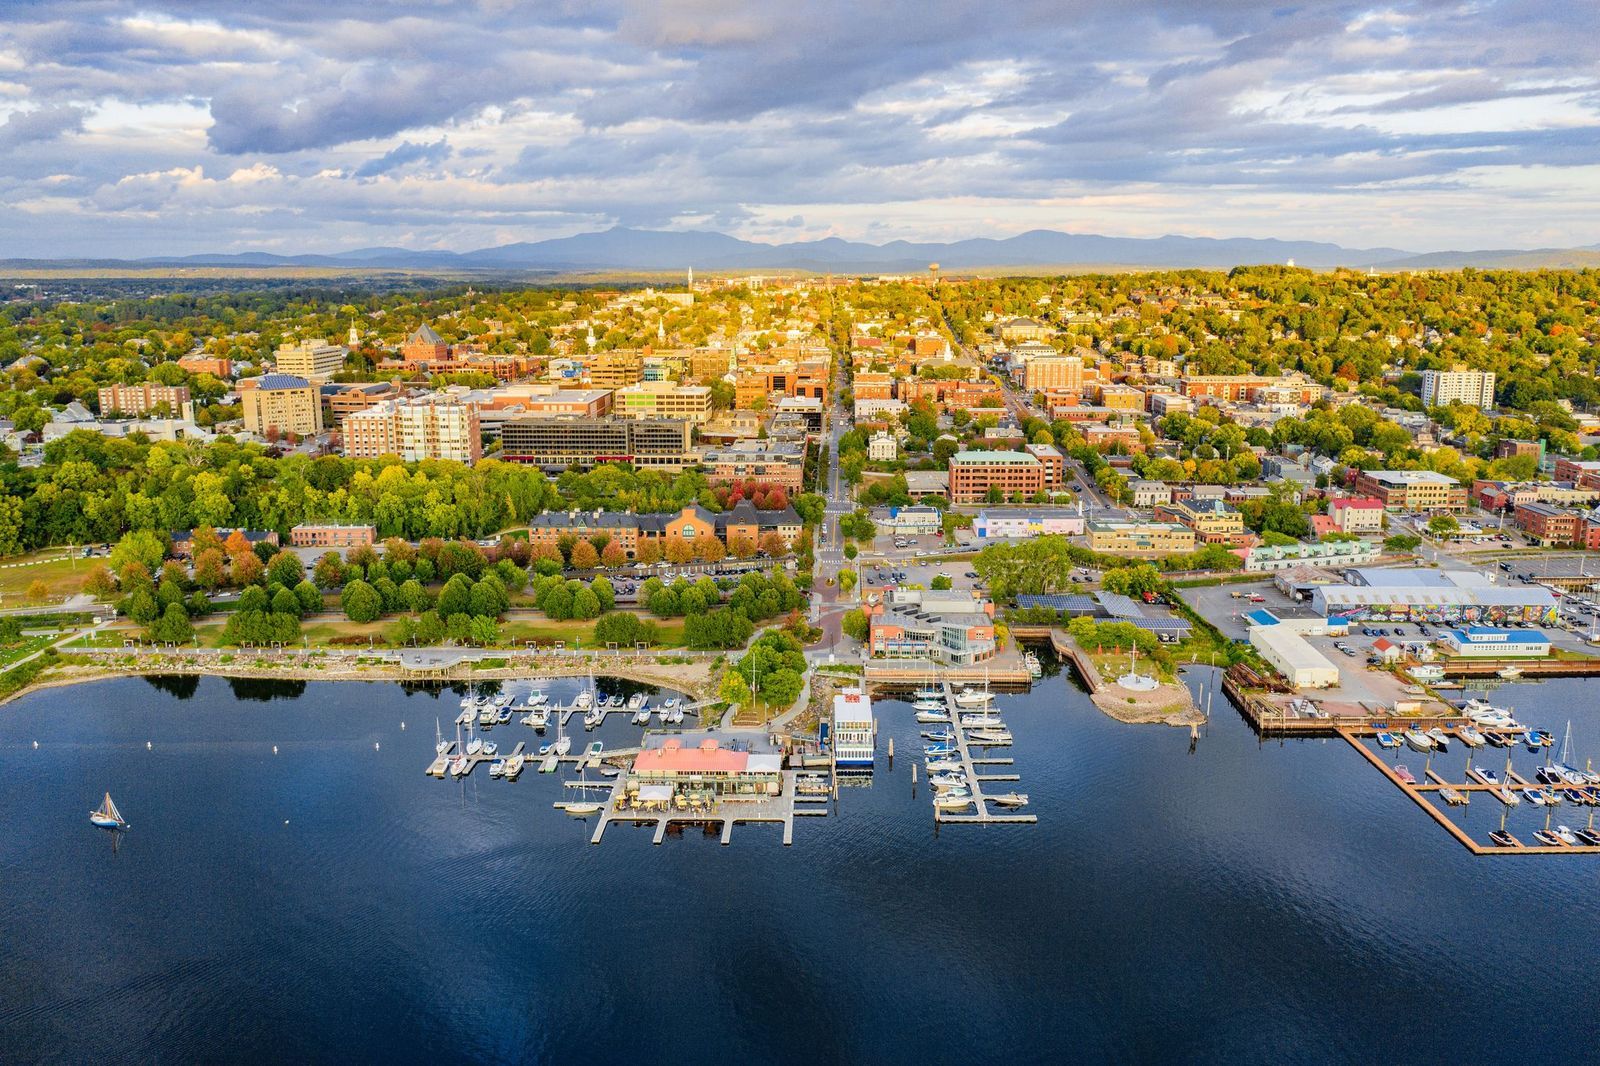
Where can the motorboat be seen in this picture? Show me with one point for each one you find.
(635, 701)
(974, 697)
(1031, 661)
(474, 745)
(675, 716)
(1549, 775)
(487, 716)
(1535, 796)
(539, 717)
(1548, 839)
(537, 698)
(948, 780)
(1552, 797)
(1575, 796)
(1417, 740)
(1388, 740)
(593, 750)
(943, 765)
(982, 720)
(1440, 738)
(502, 716)
(497, 768)
(469, 702)
(641, 717)
(931, 717)
(610, 771)
(1484, 774)
(1405, 775)
(501, 701)
(672, 701)
(1588, 836)
(544, 749)
(1509, 673)
(952, 801)
(106, 816)
(928, 705)
(929, 693)
(938, 734)
(1009, 799)
(936, 750)
(490, 748)
(1503, 839)
(514, 766)
(1470, 736)
(583, 700)
(616, 701)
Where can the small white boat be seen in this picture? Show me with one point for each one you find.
(930, 717)
(935, 766)
(514, 766)
(1440, 738)
(440, 745)
(1567, 836)
(501, 701)
(635, 701)
(989, 736)
(672, 701)
(952, 801)
(497, 768)
(1009, 799)
(544, 749)
(1417, 740)
(563, 746)
(982, 721)
(1031, 661)
(458, 766)
(490, 748)
(537, 699)
(584, 699)
(582, 808)
(593, 718)
(538, 718)
(928, 705)
(675, 716)
(1509, 673)
(474, 746)
(1469, 736)
(641, 717)
(973, 697)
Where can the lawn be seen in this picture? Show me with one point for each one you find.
(62, 575)
(24, 648)
(322, 633)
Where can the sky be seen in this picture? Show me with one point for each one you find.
(168, 127)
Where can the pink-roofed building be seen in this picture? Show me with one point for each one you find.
(706, 769)
(1322, 525)
(1355, 514)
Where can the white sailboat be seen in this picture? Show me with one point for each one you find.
(106, 816)
(440, 745)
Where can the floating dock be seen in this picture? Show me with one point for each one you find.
(1354, 735)
(976, 812)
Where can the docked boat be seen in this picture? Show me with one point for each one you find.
(563, 746)
(1417, 740)
(1484, 774)
(1509, 673)
(1503, 839)
(952, 801)
(1426, 672)
(928, 692)
(1535, 796)
(458, 766)
(538, 718)
(549, 764)
(1009, 799)
(106, 816)
(982, 720)
(989, 736)
(582, 808)
(1031, 661)
(931, 717)
(1549, 775)
(616, 701)
(487, 716)
(974, 697)
(583, 700)
(1405, 775)
(928, 705)
(514, 766)
(1470, 736)
(610, 771)
(674, 716)
(497, 768)
(635, 701)
(1575, 796)
(1588, 837)
(593, 718)
(1440, 738)
(1548, 839)
(502, 716)
(544, 749)
(490, 748)
(593, 750)
(938, 734)
(641, 717)
(672, 701)
(1388, 740)
(440, 745)
(501, 701)
(537, 698)
(936, 751)
(942, 765)
(474, 746)
(948, 781)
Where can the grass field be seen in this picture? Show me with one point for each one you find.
(24, 648)
(62, 575)
(670, 633)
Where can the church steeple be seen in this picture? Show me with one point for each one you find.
(355, 338)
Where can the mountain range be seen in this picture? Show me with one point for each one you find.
(623, 249)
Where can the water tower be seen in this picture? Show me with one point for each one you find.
(933, 273)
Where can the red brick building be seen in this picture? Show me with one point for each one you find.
(973, 474)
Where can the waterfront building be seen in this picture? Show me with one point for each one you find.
(855, 734)
(706, 771)
(280, 404)
(1487, 642)
(1441, 388)
(144, 398)
(949, 627)
(1283, 645)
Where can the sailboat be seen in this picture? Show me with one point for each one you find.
(563, 742)
(106, 816)
(440, 745)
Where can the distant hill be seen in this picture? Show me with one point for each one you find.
(623, 249)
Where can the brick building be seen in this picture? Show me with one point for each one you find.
(973, 474)
(143, 398)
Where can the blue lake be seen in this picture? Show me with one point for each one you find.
(1242, 901)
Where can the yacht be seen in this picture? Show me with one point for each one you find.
(1509, 673)
(497, 768)
(982, 720)
(1470, 736)
(563, 746)
(1417, 740)
(1547, 838)
(952, 801)
(973, 697)
(928, 705)
(539, 717)
(458, 766)
(1010, 799)
(635, 701)
(474, 746)
(440, 745)
(1440, 738)
(989, 736)
(593, 718)
(583, 700)
(1031, 661)
(932, 717)
(641, 717)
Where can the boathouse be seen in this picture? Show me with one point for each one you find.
(706, 771)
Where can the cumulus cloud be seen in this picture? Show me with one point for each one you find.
(457, 124)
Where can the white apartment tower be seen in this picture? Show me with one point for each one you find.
(1440, 388)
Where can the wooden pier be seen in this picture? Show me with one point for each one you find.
(780, 810)
(1418, 793)
(983, 815)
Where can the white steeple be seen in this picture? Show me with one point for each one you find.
(691, 279)
(355, 338)
(661, 330)
(589, 340)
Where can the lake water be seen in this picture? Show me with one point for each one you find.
(1244, 901)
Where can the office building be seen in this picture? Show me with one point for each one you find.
(314, 359)
(973, 474)
(280, 405)
(558, 443)
(428, 427)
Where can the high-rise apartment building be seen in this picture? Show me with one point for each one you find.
(314, 359)
(143, 398)
(1440, 388)
(420, 428)
(280, 404)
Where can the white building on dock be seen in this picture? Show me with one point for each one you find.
(855, 734)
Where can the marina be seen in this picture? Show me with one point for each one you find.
(970, 805)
